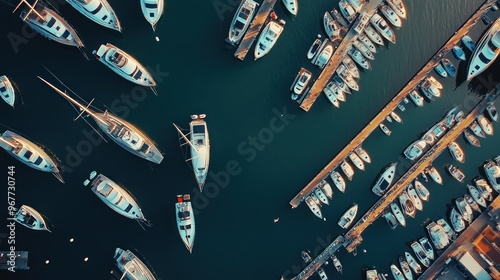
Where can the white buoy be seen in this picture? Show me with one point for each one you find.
(47, 262)
(71, 239)
(157, 39)
(86, 259)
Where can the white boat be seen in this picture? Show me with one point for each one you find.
(439, 239)
(484, 188)
(331, 96)
(456, 220)
(332, 27)
(471, 139)
(485, 124)
(30, 218)
(452, 235)
(434, 174)
(398, 214)
(359, 58)
(434, 82)
(390, 14)
(420, 253)
(241, 20)
(267, 38)
(363, 50)
(486, 52)
(371, 274)
(348, 217)
(99, 11)
(458, 53)
(338, 180)
(322, 274)
(363, 154)
(7, 91)
(401, 107)
(441, 71)
(347, 169)
(131, 266)
(115, 197)
(28, 153)
(347, 11)
(390, 219)
(396, 273)
(448, 65)
(476, 195)
(292, 6)
(412, 193)
(416, 98)
(199, 142)
(424, 176)
(492, 112)
(385, 179)
(327, 189)
(492, 171)
(339, 18)
(123, 133)
(468, 43)
(456, 152)
(396, 117)
(152, 11)
(356, 161)
(315, 199)
(305, 256)
(337, 264)
(314, 207)
(422, 192)
(398, 6)
(346, 77)
(324, 55)
(184, 216)
(385, 129)
(414, 265)
(301, 81)
(314, 48)
(425, 88)
(334, 89)
(456, 173)
(405, 268)
(476, 129)
(374, 35)
(407, 206)
(381, 26)
(321, 195)
(351, 66)
(472, 203)
(415, 149)
(363, 38)
(341, 85)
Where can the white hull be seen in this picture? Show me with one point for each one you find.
(313, 207)
(184, 216)
(396, 273)
(471, 139)
(412, 193)
(493, 174)
(30, 218)
(483, 188)
(485, 124)
(381, 26)
(152, 11)
(327, 189)
(405, 268)
(390, 15)
(422, 192)
(456, 173)
(452, 235)
(338, 180)
(374, 35)
(268, 38)
(398, 6)
(200, 150)
(351, 66)
(398, 214)
(241, 20)
(359, 58)
(356, 161)
(292, 6)
(414, 265)
(348, 217)
(363, 38)
(486, 52)
(331, 97)
(363, 50)
(385, 179)
(131, 266)
(347, 169)
(492, 112)
(7, 91)
(99, 11)
(420, 253)
(456, 152)
(439, 238)
(321, 195)
(363, 154)
(406, 204)
(476, 129)
(416, 98)
(457, 222)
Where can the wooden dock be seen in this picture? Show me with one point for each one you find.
(254, 29)
(391, 106)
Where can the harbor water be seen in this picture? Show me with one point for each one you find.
(264, 148)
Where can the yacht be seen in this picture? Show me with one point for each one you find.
(452, 235)
(29, 153)
(458, 53)
(268, 38)
(314, 207)
(476, 129)
(385, 129)
(326, 188)
(390, 219)
(314, 48)
(441, 71)
(398, 6)
(347, 11)
(332, 27)
(338, 180)
(339, 18)
(305, 256)
(456, 173)
(301, 81)
(324, 56)
(416, 98)
(351, 66)
(414, 265)
(363, 50)
(472, 203)
(356, 161)
(322, 274)
(415, 150)
(439, 239)
(371, 274)
(476, 195)
(456, 152)
(348, 217)
(492, 112)
(405, 267)
(373, 35)
(321, 195)
(331, 96)
(422, 192)
(457, 222)
(396, 117)
(381, 26)
(471, 139)
(292, 6)
(385, 179)
(152, 11)
(398, 214)
(486, 51)
(346, 77)
(7, 91)
(468, 43)
(434, 174)
(123, 133)
(450, 68)
(396, 273)
(241, 20)
(347, 169)
(99, 11)
(492, 171)
(125, 65)
(407, 205)
(30, 218)
(115, 197)
(185, 220)
(412, 193)
(363, 38)
(485, 124)
(333, 89)
(341, 85)
(363, 154)
(132, 266)
(359, 58)
(484, 188)
(390, 15)
(425, 88)
(420, 253)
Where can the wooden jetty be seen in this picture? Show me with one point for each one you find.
(254, 29)
(391, 106)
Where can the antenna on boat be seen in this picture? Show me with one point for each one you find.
(32, 8)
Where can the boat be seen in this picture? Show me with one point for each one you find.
(396, 273)
(359, 58)
(390, 15)
(322, 274)
(385, 129)
(486, 19)
(321, 195)
(497, 160)
(268, 37)
(346, 77)
(152, 11)
(7, 91)
(439, 239)
(363, 154)
(416, 98)
(401, 107)
(115, 197)
(332, 27)
(347, 11)
(407, 206)
(348, 217)
(406, 100)
(327, 189)
(337, 264)
(363, 38)
(381, 26)
(332, 88)
(420, 253)
(351, 66)
(385, 179)
(436, 84)
(484, 188)
(331, 96)
(452, 235)
(476, 129)
(29, 153)
(305, 256)
(132, 266)
(476, 196)
(486, 52)
(390, 219)
(99, 11)
(241, 20)
(324, 56)
(424, 176)
(388, 118)
(422, 192)
(373, 35)
(412, 193)
(414, 265)
(485, 124)
(415, 149)
(456, 152)
(492, 112)
(450, 68)
(492, 171)
(441, 71)
(398, 6)
(468, 43)
(339, 18)
(356, 161)
(315, 199)
(363, 50)
(456, 173)
(471, 139)
(338, 180)
(314, 207)
(292, 6)
(405, 267)
(301, 81)
(30, 218)
(427, 89)
(434, 174)
(347, 169)
(123, 133)
(472, 203)
(341, 85)
(396, 117)
(398, 214)
(457, 222)
(185, 220)
(314, 48)
(371, 274)
(458, 53)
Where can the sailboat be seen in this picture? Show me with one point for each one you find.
(199, 142)
(98, 11)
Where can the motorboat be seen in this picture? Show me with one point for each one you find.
(398, 6)
(306, 257)
(331, 96)
(405, 268)
(99, 11)
(381, 26)
(425, 88)
(292, 6)
(241, 20)
(7, 91)
(486, 52)
(338, 180)
(351, 66)
(326, 188)
(321, 195)
(115, 197)
(363, 38)
(341, 85)
(315, 198)
(132, 266)
(371, 274)
(491, 110)
(385, 129)
(347, 169)
(30, 218)
(359, 58)
(452, 235)
(424, 176)
(456, 173)
(385, 179)
(476, 195)
(398, 214)
(347, 11)
(390, 219)
(348, 217)
(406, 100)
(322, 274)
(439, 239)
(332, 27)
(185, 220)
(268, 37)
(314, 48)
(441, 71)
(395, 117)
(492, 171)
(472, 203)
(416, 98)
(401, 107)
(415, 149)
(339, 18)
(390, 15)
(422, 192)
(324, 55)
(396, 273)
(152, 11)
(458, 53)
(434, 133)
(373, 35)
(434, 174)
(434, 82)
(420, 253)
(476, 129)
(363, 154)
(456, 152)
(450, 68)
(333, 88)
(388, 118)
(497, 160)
(346, 77)
(363, 50)
(301, 81)
(314, 207)
(407, 205)
(485, 124)
(414, 265)
(412, 193)
(123, 133)
(356, 161)
(484, 188)
(471, 139)
(29, 153)
(468, 43)
(456, 220)
(337, 264)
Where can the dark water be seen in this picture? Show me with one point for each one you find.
(251, 180)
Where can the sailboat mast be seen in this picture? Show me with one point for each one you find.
(185, 138)
(32, 8)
